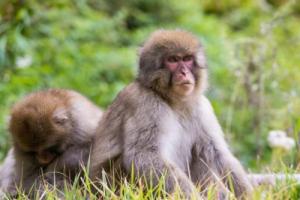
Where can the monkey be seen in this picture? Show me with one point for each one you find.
(162, 123)
(51, 131)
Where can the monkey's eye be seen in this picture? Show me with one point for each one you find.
(173, 59)
(188, 58)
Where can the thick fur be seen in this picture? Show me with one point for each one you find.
(57, 118)
(156, 133)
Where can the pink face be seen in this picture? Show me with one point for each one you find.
(181, 67)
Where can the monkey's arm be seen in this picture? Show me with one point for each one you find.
(7, 172)
(69, 164)
(33, 179)
(107, 142)
(216, 156)
(25, 174)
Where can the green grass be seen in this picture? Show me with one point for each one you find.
(137, 189)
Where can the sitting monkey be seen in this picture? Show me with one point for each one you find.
(162, 124)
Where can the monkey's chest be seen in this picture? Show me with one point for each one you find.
(175, 146)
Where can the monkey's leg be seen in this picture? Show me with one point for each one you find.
(228, 168)
(205, 178)
(151, 166)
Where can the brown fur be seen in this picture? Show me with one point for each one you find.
(33, 124)
(61, 122)
(149, 128)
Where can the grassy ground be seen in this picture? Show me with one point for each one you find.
(83, 188)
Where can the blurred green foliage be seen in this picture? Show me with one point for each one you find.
(253, 50)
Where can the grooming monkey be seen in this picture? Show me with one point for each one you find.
(163, 124)
(52, 131)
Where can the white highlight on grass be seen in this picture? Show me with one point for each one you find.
(279, 139)
(23, 62)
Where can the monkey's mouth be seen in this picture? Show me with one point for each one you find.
(185, 83)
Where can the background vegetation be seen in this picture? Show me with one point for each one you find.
(253, 50)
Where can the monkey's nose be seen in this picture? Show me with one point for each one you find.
(183, 70)
(183, 73)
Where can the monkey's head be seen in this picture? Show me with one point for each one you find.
(40, 126)
(172, 63)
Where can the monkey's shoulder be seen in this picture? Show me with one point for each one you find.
(205, 105)
(136, 95)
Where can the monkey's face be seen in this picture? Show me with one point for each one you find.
(43, 152)
(172, 63)
(182, 79)
(42, 148)
(41, 135)
(47, 154)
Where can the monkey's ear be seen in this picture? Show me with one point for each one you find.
(60, 116)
